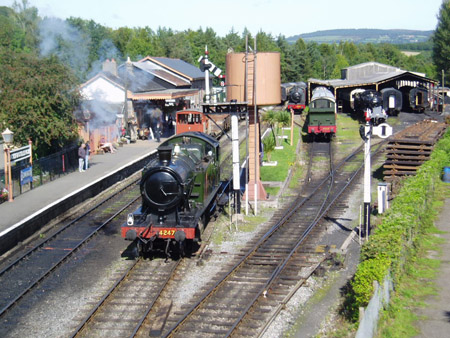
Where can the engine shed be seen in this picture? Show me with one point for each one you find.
(377, 76)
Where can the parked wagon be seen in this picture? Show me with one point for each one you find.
(418, 99)
(392, 100)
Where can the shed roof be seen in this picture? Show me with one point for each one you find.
(368, 80)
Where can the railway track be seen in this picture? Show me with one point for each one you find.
(123, 309)
(28, 270)
(267, 272)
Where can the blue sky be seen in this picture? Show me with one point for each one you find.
(295, 17)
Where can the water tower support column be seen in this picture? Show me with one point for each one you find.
(253, 164)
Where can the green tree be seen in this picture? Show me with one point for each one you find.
(298, 63)
(28, 19)
(121, 37)
(37, 100)
(141, 44)
(350, 51)
(441, 40)
(284, 49)
(11, 36)
(233, 42)
(15, 33)
(341, 62)
(99, 39)
(266, 42)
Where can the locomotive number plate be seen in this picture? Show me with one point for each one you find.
(167, 232)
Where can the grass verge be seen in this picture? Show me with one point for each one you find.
(415, 285)
(285, 157)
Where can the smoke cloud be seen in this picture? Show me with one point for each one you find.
(59, 38)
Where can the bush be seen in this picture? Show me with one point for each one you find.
(393, 241)
(269, 145)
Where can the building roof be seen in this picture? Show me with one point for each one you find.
(366, 74)
(177, 66)
(140, 80)
(114, 80)
(367, 70)
(170, 77)
(163, 94)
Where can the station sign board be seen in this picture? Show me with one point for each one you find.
(20, 154)
(26, 175)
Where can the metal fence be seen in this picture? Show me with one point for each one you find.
(44, 170)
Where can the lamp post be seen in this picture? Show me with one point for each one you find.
(8, 137)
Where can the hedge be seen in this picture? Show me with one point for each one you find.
(390, 245)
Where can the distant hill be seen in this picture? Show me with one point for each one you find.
(395, 36)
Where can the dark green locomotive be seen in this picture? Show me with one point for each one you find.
(179, 190)
(322, 112)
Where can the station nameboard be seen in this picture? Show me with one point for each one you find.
(21, 154)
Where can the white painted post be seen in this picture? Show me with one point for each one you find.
(367, 179)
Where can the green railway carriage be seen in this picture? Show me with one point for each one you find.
(322, 112)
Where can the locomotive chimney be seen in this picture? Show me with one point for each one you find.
(165, 154)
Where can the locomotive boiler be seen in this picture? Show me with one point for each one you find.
(179, 190)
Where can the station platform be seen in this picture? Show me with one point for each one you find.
(66, 189)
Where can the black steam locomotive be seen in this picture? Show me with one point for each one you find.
(294, 94)
(370, 102)
(179, 192)
(368, 98)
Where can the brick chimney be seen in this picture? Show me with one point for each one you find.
(110, 66)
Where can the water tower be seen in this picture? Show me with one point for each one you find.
(255, 78)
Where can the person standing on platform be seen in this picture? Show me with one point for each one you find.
(170, 122)
(88, 154)
(81, 157)
(157, 127)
